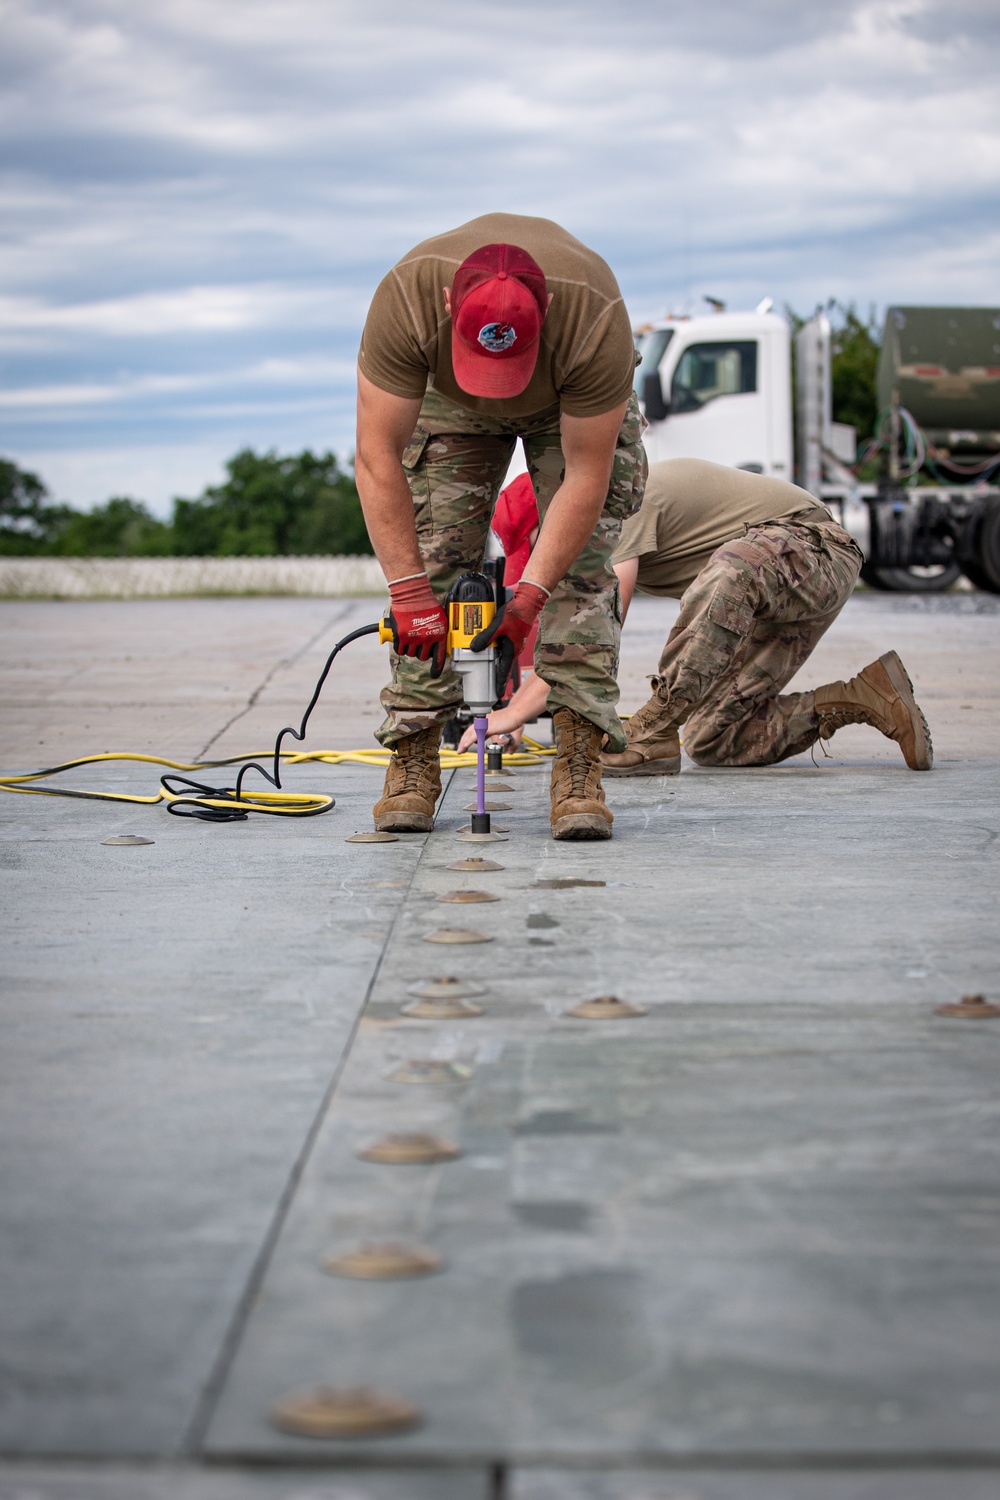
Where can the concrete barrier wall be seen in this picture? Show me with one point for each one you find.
(158, 577)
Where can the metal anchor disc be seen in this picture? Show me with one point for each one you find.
(345, 1413)
(480, 838)
(128, 840)
(455, 935)
(410, 1149)
(384, 1262)
(372, 838)
(490, 807)
(441, 1010)
(970, 1007)
(445, 987)
(474, 866)
(467, 898)
(429, 1070)
(605, 1008)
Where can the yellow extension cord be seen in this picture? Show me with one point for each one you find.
(282, 804)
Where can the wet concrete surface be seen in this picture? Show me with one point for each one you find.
(755, 1228)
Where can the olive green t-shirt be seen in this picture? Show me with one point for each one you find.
(691, 507)
(586, 354)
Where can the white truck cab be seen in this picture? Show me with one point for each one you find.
(719, 387)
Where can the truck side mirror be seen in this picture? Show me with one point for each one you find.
(657, 410)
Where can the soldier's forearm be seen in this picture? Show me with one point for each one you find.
(385, 426)
(588, 445)
(628, 573)
(569, 523)
(388, 510)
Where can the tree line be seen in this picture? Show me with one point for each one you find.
(268, 505)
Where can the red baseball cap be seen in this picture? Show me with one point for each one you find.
(498, 305)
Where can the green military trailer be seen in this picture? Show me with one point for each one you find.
(934, 512)
(939, 427)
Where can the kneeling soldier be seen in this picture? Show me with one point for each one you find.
(761, 570)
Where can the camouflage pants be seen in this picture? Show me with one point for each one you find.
(456, 463)
(747, 624)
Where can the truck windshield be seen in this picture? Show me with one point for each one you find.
(651, 346)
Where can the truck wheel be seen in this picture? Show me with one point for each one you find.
(912, 580)
(979, 578)
(989, 546)
(979, 549)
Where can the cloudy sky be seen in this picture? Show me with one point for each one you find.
(197, 198)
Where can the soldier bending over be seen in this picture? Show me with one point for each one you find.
(505, 328)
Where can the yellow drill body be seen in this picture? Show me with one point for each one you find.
(477, 669)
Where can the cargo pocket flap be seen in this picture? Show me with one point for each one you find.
(414, 450)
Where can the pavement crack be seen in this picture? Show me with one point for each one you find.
(284, 661)
(201, 1419)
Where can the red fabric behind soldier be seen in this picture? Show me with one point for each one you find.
(514, 519)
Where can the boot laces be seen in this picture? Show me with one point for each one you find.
(414, 765)
(835, 718)
(580, 760)
(652, 715)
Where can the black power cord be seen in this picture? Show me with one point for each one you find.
(185, 794)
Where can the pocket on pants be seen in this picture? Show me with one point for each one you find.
(414, 450)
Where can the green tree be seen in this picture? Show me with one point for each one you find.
(27, 521)
(120, 528)
(854, 360)
(273, 506)
(854, 351)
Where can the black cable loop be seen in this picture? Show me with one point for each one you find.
(193, 809)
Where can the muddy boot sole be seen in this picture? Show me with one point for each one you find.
(669, 766)
(581, 826)
(404, 822)
(923, 750)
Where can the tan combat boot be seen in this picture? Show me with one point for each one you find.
(654, 746)
(881, 695)
(578, 810)
(412, 785)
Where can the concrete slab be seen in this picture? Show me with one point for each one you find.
(174, 1015)
(797, 1484)
(759, 1220)
(171, 675)
(187, 1482)
(758, 1224)
(178, 676)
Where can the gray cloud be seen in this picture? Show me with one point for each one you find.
(198, 200)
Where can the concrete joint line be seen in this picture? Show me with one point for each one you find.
(284, 661)
(198, 1426)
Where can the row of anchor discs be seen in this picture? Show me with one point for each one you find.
(365, 1412)
(463, 935)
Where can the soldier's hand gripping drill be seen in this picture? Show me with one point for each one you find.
(418, 622)
(510, 628)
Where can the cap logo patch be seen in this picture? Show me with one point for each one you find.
(497, 338)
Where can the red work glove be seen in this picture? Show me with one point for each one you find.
(510, 627)
(419, 624)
